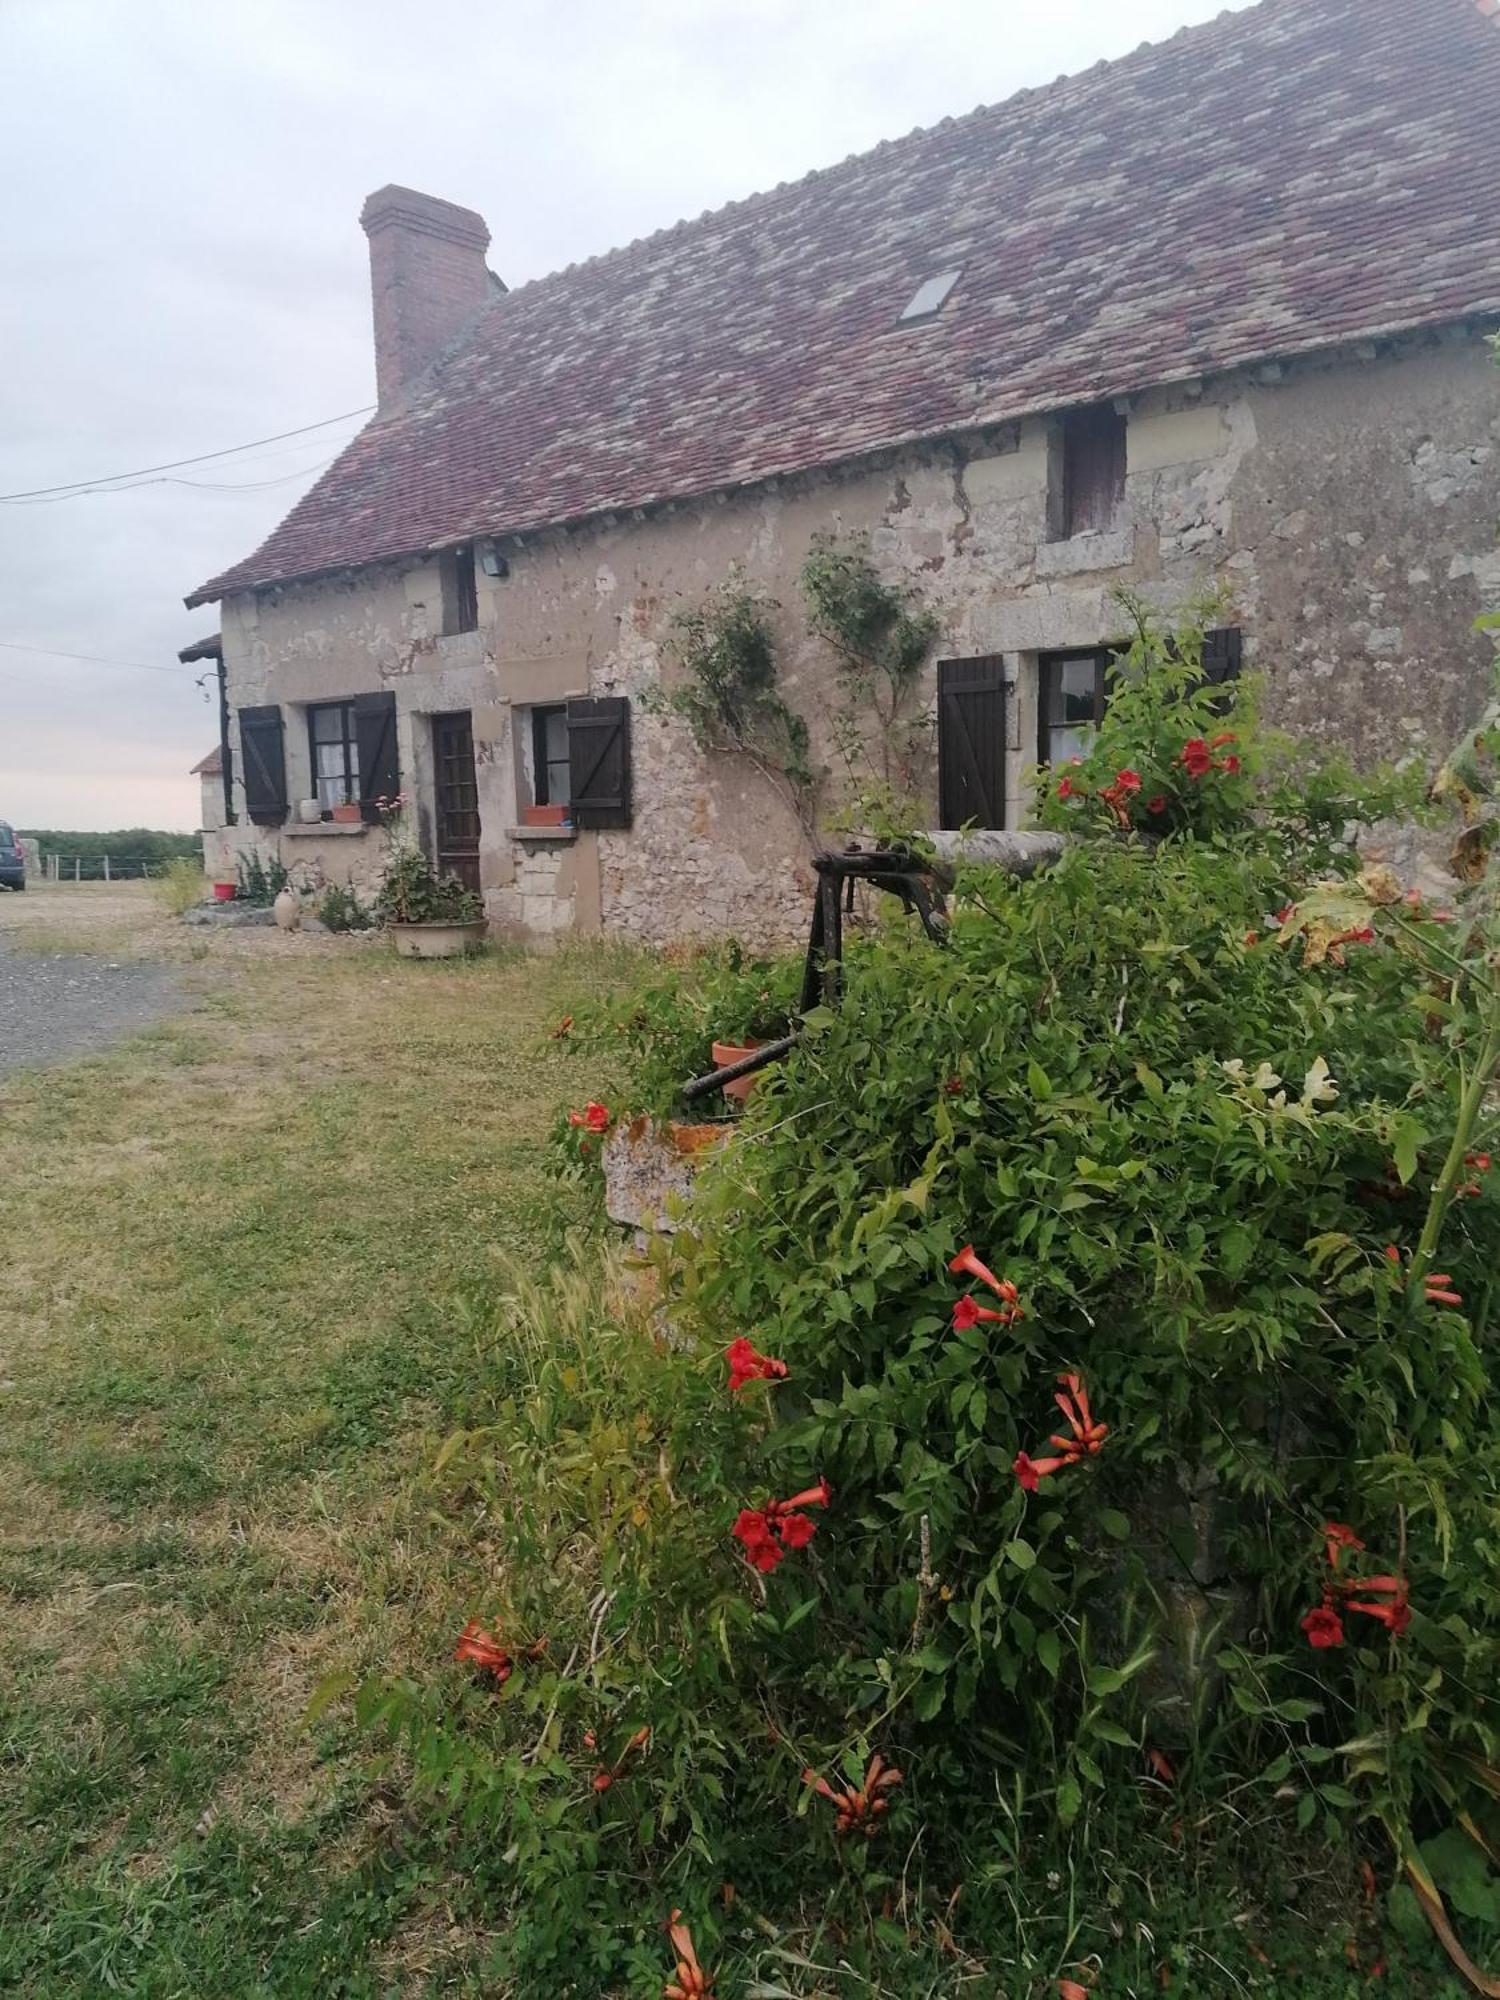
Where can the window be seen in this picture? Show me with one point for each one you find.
(1089, 469)
(1072, 691)
(549, 756)
(460, 592)
(334, 747)
(929, 298)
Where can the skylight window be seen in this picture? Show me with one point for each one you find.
(930, 297)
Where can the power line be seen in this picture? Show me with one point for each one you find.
(175, 464)
(169, 479)
(91, 659)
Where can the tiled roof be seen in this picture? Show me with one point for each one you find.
(212, 765)
(1284, 178)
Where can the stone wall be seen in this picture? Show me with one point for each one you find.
(1348, 507)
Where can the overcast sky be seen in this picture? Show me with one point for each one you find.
(180, 182)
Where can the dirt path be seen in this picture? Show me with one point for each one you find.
(58, 1007)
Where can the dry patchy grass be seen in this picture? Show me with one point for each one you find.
(228, 1259)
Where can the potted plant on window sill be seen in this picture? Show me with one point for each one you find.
(428, 915)
(348, 813)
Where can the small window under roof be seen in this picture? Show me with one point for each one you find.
(930, 297)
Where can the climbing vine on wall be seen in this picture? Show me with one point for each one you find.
(881, 635)
(729, 697)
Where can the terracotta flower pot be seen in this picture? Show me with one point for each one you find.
(545, 815)
(347, 814)
(726, 1053)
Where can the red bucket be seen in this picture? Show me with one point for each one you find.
(224, 892)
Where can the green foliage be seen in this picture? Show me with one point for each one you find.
(182, 885)
(260, 881)
(1187, 1130)
(665, 1024)
(730, 699)
(882, 637)
(140, 843)
(412, 891)
(339, 909)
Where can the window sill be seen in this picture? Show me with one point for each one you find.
(543, 834)
(1086, 552)
(323, 829)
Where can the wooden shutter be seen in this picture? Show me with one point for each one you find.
(264, 753)
(971, 742)
(1223, 655)
(379, 759)
(599, 761)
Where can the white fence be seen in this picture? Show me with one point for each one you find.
(100, 867)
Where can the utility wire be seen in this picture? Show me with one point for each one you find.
(170, 479)
(94, 660)
(175, 464)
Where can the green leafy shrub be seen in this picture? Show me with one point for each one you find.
(1215, 1110)
(412, 891)
(260, 881)
(665, 1023)
(181, 885)
(339, 909)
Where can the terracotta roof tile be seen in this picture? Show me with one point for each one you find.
(1281, 179)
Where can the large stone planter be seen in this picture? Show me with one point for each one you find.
(438, 940)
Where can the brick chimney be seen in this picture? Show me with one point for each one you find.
(427, 279)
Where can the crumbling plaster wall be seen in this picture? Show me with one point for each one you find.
(1347, 506)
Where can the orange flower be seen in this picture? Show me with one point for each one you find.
(967, 1265)
(691, 1982)
(563, 1029)
(1338, 1536)
(746, 1364)
(1440, 1292)
(1085, 1437)
(858, 1811)
(482, 1649)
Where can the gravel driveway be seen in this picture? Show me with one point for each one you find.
(54, 1008)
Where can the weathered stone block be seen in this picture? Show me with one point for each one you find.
(1177, 437)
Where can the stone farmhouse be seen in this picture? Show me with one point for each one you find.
(1215, 314)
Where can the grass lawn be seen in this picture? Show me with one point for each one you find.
(231, 1260)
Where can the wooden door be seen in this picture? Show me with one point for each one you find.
(457, 797)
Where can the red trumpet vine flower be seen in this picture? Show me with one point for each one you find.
(1068, 790)
(969, 1312)
(594, 1116)
(1395, 1616)
(690, 1981)
(967, 1265)
(747, 1365)
(1364, 934)
(482, 1649)
(1085, 1437)
(1324, 1627)
(1197, 759)
(1157, 805)
(766, 1533)
(1439, 1289)
(1338, 1536)
(1032, 1471)
(858, 1811)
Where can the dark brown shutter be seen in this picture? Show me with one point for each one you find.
(264, 753)
(1223, 655)
(379, 759)
(599, 761)
(971, 742)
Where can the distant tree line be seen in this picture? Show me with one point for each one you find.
(136, 843)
